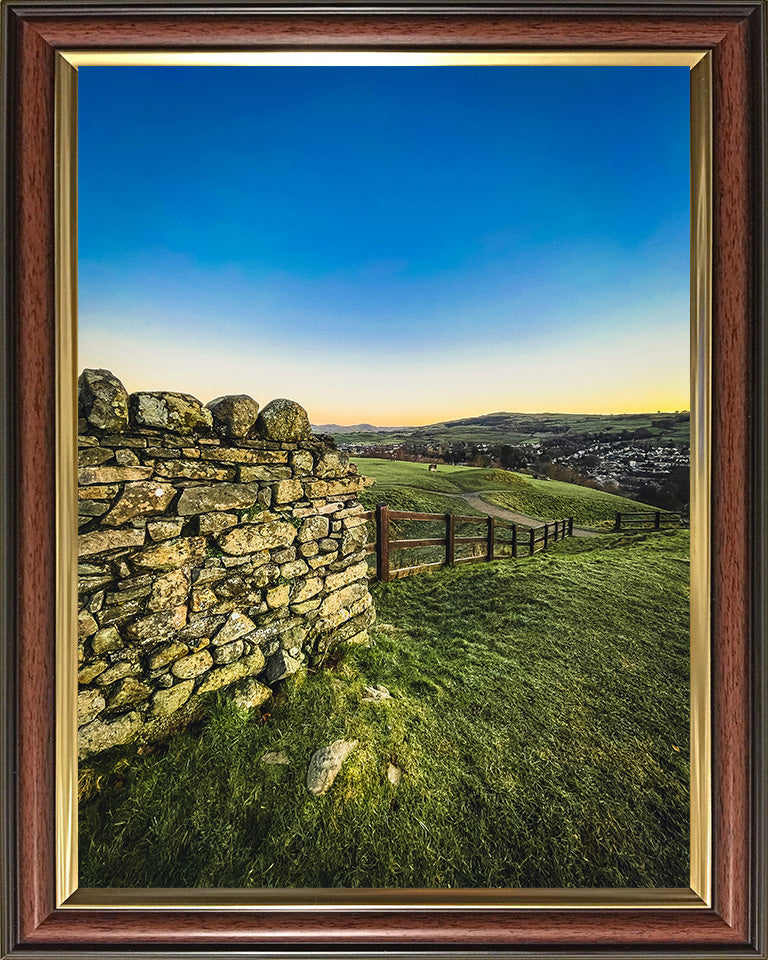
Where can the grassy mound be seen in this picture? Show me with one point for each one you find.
(553, 500)
(539, 719)
(401, 473)
(541, 499)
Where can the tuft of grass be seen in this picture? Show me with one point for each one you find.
(539, 718)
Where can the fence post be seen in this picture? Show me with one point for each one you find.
(533, 541)
(556, 530)
(514, 540)
(657, 524)
(570, 526)
(546, 535)
(450, 538)
(491, 530)
(617, 524)
(382, 542)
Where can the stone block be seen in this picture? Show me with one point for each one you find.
(332, 464)
(102, 401)
(358, 571)
(286, 491)
(167, 654)
(166, 702)
(90, 671)
(294, 569)
(234, 416)
(142, 499)
(93, 456)
(100, 492)
(100, 541)
(164, 529)
(157, 626)
(302, 462)
(202, 598)
(229, 652)
(215, 522)
(90, 703)
(86, 625)
(265, 472)
(239, 455)
(109, 475)
(280, 665)
(106, 640)
(171, 554)
(177, 412)
(170, 590)
(249, 693)
(314, 528)
(192, 470)
(117, 612)
(237, 625)
(278, 596)
(193, 665)
(221, 496)
(101, 735)
(127, 692)
(283, 420)
(119, 670)
(251, 538)
(219, 677)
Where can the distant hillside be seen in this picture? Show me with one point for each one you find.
(515, 428)
(335, 428)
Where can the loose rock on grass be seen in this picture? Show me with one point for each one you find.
(326, 763)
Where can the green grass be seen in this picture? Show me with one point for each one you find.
(539, 716)
(540, 499)
(403, 473)
(414, 499)
(553, 500)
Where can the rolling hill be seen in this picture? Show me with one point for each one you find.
(411, 486)
(515, 428)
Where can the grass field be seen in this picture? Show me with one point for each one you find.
(539, 719)
(552, 500)
(398, 482)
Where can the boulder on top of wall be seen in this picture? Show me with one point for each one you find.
(234, 416)
(178, 412)
(283, 420)
(102, 400)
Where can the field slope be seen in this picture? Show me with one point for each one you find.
(538, 723)
(451, 489)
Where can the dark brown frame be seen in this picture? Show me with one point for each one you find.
(735, 32)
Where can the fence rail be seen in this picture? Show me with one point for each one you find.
(523, 541)
(649, 520)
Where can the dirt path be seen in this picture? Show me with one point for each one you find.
(476, 501)
(491, 510)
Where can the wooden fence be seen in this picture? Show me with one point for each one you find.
(650, 520)
(522, 540)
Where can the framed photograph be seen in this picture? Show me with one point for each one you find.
(402, 219)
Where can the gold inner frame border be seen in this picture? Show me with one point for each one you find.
(68, 895)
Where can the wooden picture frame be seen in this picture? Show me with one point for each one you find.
(735, 923)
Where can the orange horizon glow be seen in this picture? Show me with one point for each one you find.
(408, 388)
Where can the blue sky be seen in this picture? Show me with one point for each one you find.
(389, 244)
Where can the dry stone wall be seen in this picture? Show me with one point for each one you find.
(220, 548)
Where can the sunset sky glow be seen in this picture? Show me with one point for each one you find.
(396, 245)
